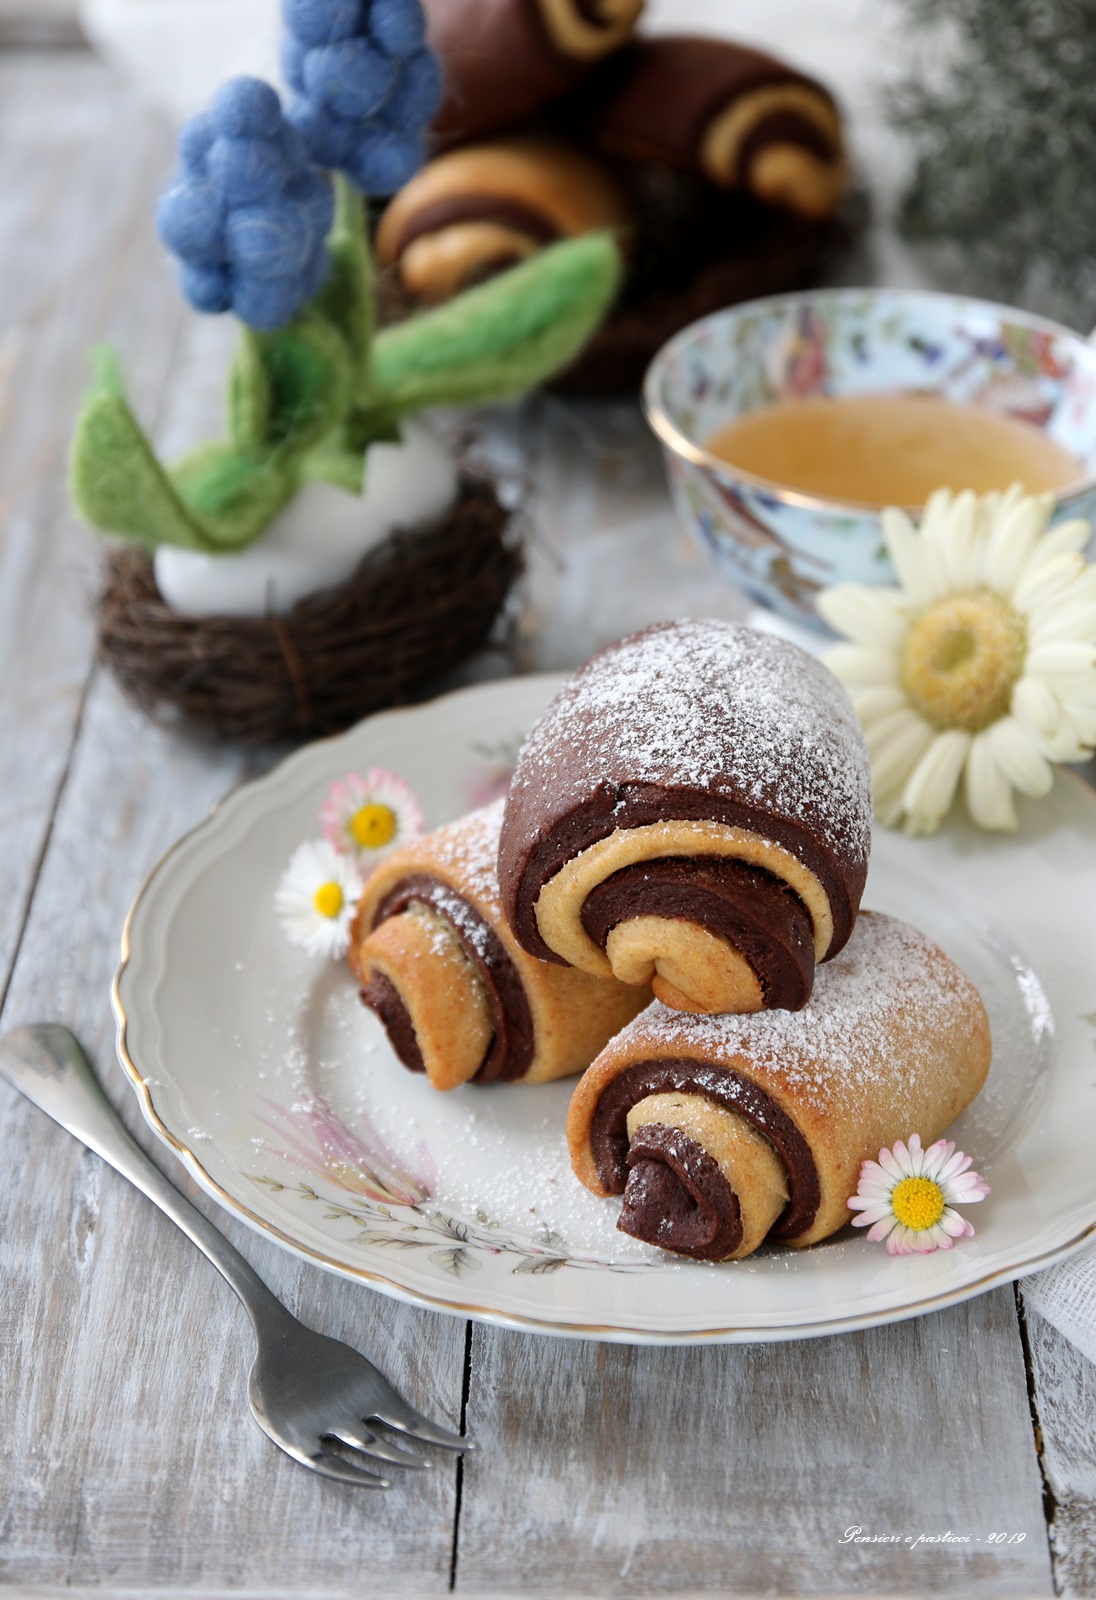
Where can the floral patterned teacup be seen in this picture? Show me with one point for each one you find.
(780, 546)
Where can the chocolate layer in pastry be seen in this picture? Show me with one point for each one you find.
(609, 1128)
(505, 60)
(676, 1196)
(783, 127)
(788, 1104)
(764, 920)
(524, 219)
(382, 997)
(511, 1050)
(655, 100)
(700, 720)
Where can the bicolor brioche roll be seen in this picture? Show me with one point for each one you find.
(721, 1132)
(742, 118)
(459, 999)
(475, 211)
(693, 810)
(504, 60)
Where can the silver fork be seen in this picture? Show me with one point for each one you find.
(312, 1395)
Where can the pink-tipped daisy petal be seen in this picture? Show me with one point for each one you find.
(908, 1196)
(367, 816)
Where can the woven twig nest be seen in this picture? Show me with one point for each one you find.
(416, 607)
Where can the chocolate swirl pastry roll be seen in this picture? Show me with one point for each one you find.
(473, 212)
(504, 60)
(693, 810)
(721, 1132)
(743, 118)
(458, 998)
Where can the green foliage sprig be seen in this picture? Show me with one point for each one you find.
(306, 401)
(1003, 122)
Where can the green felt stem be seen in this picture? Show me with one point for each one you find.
(346, 299)
(502, 338)
(248, 394)
(308, 373)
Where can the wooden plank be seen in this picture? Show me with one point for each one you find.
(1064, 1397)
(739, 1469)
(133, 1461)
(40, 25)
(605, 552)
(131, 1458)
(80, 163)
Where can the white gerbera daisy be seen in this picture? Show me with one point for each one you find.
(982, 663)
(368, 816)
(906, 1197)
(317, 898)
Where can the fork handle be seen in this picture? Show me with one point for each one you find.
(46, 1063)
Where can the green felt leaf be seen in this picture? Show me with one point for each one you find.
(331, 461)
(308, 375)
(232, 493)
(502, 338)
(117, 482)
(248, 394)
(346, 299)
(339, 458)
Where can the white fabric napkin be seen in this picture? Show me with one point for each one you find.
(1065, 1296)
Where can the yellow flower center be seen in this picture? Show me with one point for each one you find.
(961, 659)
(918, 1202)
(373, 826)
(328, 899)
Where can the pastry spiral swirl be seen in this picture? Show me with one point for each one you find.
(720, 1132)
(692, 810)
(505, 60)
(474, 211)
(458, 998)
(742, 118)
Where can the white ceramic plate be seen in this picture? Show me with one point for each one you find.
(262, 1071)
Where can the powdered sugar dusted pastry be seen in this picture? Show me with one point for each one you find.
(692, 810)
(460, 1000)
(723, 1131)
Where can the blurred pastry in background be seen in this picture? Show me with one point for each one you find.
(473, 212)
(721, 167)
(740, 117)
(505, 60)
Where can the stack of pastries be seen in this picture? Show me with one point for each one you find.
(719, 166)
(669, 902)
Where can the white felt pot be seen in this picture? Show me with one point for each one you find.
(319, 538)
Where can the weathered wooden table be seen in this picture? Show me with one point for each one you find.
(130, 1465)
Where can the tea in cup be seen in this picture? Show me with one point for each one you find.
(788, 424)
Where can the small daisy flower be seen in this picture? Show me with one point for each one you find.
(317, 898)
(367, 817)
(906, 1197)
(980, 666)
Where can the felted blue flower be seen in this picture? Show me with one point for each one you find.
(365, 86)
(247, 214)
